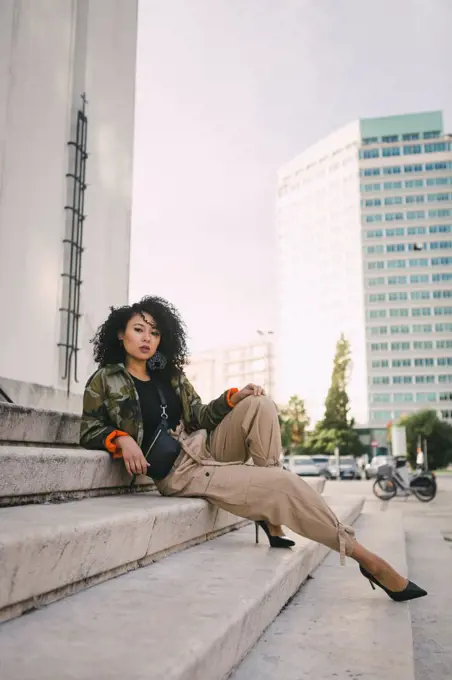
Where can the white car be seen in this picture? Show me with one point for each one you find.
(303, 466)
(371, 468)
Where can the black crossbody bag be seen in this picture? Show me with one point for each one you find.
(164, 449)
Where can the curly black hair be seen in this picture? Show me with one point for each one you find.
(173, 343)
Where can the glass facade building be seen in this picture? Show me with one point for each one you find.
(378, 234)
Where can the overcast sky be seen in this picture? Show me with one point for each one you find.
(229, 90)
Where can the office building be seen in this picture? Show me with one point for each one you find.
(364, 221)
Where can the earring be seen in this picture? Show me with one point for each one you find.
(157, 362)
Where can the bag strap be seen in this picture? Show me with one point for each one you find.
(163, 405)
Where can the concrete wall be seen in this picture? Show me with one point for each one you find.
(50, 52)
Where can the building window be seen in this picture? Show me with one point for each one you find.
(372, 202)
(424, 362)
(382, 415)
(445, 379)
(422, 328)
(375, 250)
(444, 344)
(401, 363)
(432, 134)
(415, 167)
(442, 277)
(421, 311)
(415, 214)
(418, 262)
(443, 196)
(391, 151)
(397, 280)
(437, 167)
(370, 187)
(441, 261)
(423, 344)
(380, 363)
(390, 139)
(410, 136)
(379, 281)
(398, 312)
(400, 346)
(374, 233)
(425, 379)
(380, 380)
(440, 213)
(370, 140)
(392, 170)
(443, 327)
(395, 297)
(370, 172)
(425, 396)
(379, 347)
(440, 229)
(379, 330)
(393, 217)
(396, 231)
(381, 398)
(420, 295)
(377, 314)
(372, 218)
(443, 311)
(445, 396)
(440, 245)
(436, 147)
(416, 231)
(402, 380)
(415, 198)
(438, 181)
(419, 278)
(402, 397)
(378, 264)
(444, 361)
(393, 200)
(395, 248)
(369, 153)
(414, 183)
(377, 297)
(392, 185)
(399, 329)
(396, 264)
(412, 149)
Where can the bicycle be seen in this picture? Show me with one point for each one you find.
(391, 481)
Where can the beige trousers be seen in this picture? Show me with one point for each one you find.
(214, 468)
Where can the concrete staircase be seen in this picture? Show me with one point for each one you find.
(193, 615)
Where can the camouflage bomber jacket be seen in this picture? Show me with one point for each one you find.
(111, 404)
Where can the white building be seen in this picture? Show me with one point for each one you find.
(352, 212)
(62, 247)
(214, 371)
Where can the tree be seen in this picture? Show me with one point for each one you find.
(293, 420)
(337, 403)
(438, 434)
(336, 429)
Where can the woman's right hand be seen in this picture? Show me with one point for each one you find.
(134, 460)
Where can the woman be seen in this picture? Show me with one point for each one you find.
(141, 351)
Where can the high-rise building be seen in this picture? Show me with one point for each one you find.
(364, 221)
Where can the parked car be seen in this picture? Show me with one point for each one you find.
(303, 466)
(321, 460)
(371, 469)
(348, 468)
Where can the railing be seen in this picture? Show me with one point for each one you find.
(74, 244)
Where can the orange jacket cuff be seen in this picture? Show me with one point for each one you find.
(229, 394)
(111, 446)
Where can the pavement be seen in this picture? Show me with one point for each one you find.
(336, 627)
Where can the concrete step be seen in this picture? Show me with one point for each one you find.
(36, 474)
(192, 616)
(38, 426)
(430, 560)
(336, 626)
(50, 551)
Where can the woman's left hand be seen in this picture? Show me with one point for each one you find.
(250, 390)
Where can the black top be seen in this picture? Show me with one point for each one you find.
(150, 407)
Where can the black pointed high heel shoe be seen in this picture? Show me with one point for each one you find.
(275, 541)
(411, 592)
